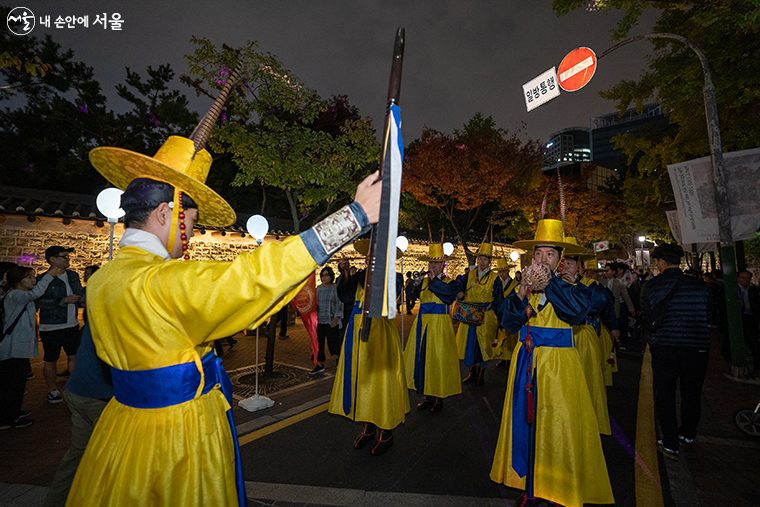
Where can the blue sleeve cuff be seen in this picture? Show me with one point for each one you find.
(335, 231)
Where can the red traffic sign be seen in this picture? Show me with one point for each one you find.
(576, 69)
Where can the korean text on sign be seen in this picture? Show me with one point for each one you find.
(541, 89)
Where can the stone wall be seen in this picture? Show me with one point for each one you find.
(24, 243)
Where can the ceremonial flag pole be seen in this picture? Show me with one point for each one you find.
(380, 277)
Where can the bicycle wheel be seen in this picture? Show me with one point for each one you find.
(748, 421)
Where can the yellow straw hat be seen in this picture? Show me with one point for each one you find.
(592, 265)
(503, 264)
(435, 254)
(485, 249)
(362, 246)
(176, 163)
(550, 232)
(577, 250)
(181, 162)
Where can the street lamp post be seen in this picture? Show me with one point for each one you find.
(727, 252)
(513, 255)
(109, 203)
(448, 249)
(257, 227)
(642, 240)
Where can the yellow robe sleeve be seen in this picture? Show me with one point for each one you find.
(148, 313)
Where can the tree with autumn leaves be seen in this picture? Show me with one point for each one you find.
(465, 175)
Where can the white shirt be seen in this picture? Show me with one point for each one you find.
(145, 240)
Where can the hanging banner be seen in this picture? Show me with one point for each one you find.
(695, 196)
(675, 230)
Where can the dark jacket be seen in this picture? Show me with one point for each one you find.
(754, 302)
(49, 304)
(685, 323)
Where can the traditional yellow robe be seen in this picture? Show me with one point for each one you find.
(589, 345)
(370, 385)
(569, 463)
(480, 291)
(147, 313)
(432, 337)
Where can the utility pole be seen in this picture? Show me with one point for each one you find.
(727, 252)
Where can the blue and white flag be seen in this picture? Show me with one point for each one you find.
(384, 284)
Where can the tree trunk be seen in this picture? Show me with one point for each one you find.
(462, 239)
(293, 211)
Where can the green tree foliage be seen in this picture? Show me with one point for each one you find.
(56, 118)
(726, 31)
(468, 173)
(281, 133)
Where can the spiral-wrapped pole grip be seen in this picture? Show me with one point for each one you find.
(202, 132)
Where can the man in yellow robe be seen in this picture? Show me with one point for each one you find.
(432, 366)
(588, 339)
(477, 343)
(549, 443)
(167, 436)
(370, 385)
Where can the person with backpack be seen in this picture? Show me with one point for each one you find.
(19, 341)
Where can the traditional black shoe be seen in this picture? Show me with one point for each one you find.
(437, 406)
(427, 402)
(473, 376)
(481, 377)
(383, 443)
(367, 435)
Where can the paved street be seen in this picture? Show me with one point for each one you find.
(295, 453)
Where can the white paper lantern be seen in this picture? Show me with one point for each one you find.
(109, 202)
(257, 227)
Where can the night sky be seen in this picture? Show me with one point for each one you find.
(461, 57)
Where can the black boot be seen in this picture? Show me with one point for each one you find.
(383, 443)
(367, 435)
(437, 405)
(473, 376)
(427, 402)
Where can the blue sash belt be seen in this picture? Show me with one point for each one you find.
(541, 337)
(421, 343)
(472, 353)
(175, 384)
(348, 357)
